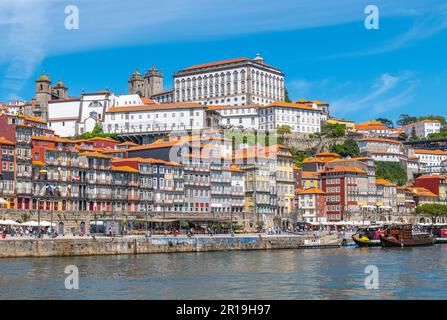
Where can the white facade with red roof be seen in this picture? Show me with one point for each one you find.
(422, 128)
(239, 81)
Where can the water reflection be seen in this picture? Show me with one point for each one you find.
(413, 273)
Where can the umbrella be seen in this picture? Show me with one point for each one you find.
(30, 224)
(3, 201)
(46, 224)
(9, 223)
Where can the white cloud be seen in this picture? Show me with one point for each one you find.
(24, 42)
(34, 29)
(387, 93)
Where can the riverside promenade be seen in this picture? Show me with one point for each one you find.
(88, 245)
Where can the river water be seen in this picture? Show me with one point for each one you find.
(408, 273)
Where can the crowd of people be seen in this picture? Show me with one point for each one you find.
(25, 231)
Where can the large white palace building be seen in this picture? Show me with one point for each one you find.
(234, 82)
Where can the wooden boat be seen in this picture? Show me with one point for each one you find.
(439, 232)
(366, 237)
(403, 236)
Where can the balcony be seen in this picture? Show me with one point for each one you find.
(26, 191)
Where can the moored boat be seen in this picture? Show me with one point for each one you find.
(403, 236)
(439, 232)
(368, 237)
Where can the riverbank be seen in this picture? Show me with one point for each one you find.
(89, 246)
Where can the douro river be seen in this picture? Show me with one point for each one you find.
(409, 273)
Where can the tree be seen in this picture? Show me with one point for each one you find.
(286, 94)
(438, 135)
(433, 117)
(284, 129)
(391, 171)
(349, 148)
(97, 132)
(433, 209)
(299, 156)
(405, 119)
(335, 130)
(386, 122)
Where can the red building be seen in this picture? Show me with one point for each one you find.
(104, 143)
(346, 189)
(7, 173)
(435, 183)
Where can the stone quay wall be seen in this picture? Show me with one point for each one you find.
(78, 246)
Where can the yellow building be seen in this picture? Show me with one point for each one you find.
(350, 125)
(269, 185)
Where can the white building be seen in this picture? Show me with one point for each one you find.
(154, 117)
(373, 128)
(164, 96)
(381, 149)
(245, 116)
(422, 128)
(239, 81)
(299, 117)
(431, 160)
(74, 116)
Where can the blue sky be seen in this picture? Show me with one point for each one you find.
(322, 47)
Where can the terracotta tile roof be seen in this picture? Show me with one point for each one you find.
(422, 192)
(166, 144)
(289, 105)
(52, 139)
(384, 182)
(216, 63)
(384, 152)
(33, 119)
(63, 119)
(94, 154)
(156, 107)
(147, 160)
(433, 152)
(418, 122)
(381, 140)
(328, 154)
(347, 169)
(319, 103)
(233, 107)
(311, 191)
(113, 151)
(5, 141)
(362, 158)
(371, 125)
(147, 100)
(102, 139)
(128, 143)
(124, 169)
(435, 176)
(309, 174)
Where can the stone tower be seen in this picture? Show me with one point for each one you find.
(60, 90)
(153, 82)
(43, 94)
(136, 84)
